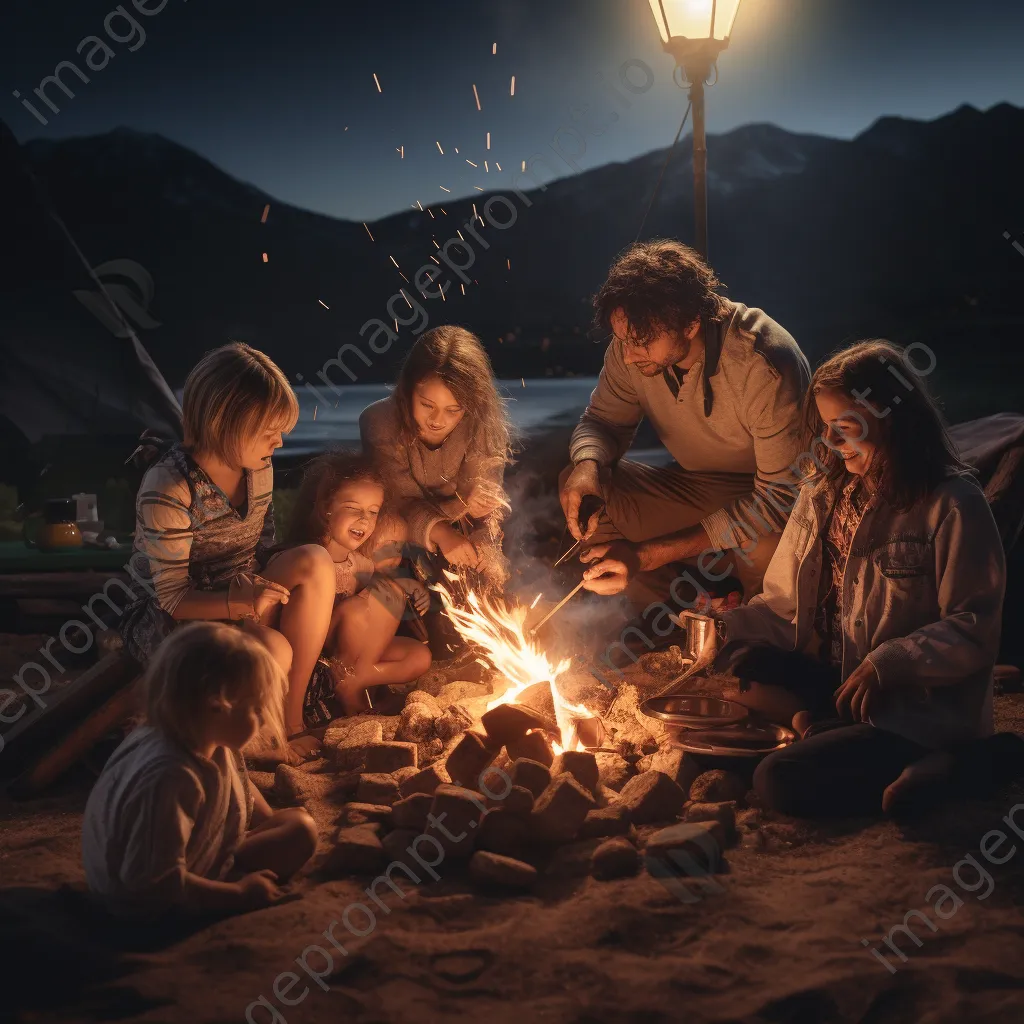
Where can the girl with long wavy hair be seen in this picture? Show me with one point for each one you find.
(442, 442)
(881, 610)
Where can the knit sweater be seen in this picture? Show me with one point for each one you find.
(737, 410)
(427, 485)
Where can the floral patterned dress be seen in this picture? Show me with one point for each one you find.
(842, 526)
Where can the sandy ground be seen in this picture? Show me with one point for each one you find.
(778, 939)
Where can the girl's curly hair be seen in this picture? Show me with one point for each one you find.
(320, 482)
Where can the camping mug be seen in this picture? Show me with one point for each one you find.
(56, 528)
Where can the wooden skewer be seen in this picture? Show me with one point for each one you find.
(568, 553)
(558, 606)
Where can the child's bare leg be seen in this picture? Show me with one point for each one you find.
(363, 639)
(275, 642)
(308, 573)
(283, 843)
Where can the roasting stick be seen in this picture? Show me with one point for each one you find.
(558, 606)
(589, 506)
(568, 554)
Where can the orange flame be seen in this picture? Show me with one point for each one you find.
(498, 631)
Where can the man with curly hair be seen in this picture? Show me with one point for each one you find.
(722, 385)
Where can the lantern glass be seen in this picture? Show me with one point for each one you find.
(695, 19)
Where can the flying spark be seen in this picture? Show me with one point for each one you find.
(496, 164)
(535, 600)
(443, 189)
(315, 407)
(393, 260)
(487, 169)
(368, 231)
(494, 48)
(418, 204)
(478, 188)
(266, 258)
(438, 144)
(513, 92)
(470, 162)
(322, 303)
(524, 165)
(488, 140)
(476, 96)
(379, 89)
(266, 210)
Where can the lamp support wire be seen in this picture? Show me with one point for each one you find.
(664, 167)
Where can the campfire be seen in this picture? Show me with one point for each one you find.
(500, 775)
(499, 633)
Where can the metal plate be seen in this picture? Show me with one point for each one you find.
(693, 712)
(744, 739)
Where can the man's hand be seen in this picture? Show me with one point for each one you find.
(614, 565)
(583, 480)
(855, 697)
(455, 546)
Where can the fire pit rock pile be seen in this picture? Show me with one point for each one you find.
(449, 786)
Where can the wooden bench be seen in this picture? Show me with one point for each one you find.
(71, 723)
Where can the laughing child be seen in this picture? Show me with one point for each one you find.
(339, 507)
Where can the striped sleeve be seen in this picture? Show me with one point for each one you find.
(164, 532)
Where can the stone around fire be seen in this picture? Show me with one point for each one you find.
(651, 797)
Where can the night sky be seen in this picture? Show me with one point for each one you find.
(265, 89)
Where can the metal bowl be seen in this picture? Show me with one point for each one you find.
(690, 711)
(743, 739)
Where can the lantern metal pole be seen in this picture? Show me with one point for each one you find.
(700, 168)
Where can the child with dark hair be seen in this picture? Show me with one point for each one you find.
(442, 442)
(881, 609)
(340, 507)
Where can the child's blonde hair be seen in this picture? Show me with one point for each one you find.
(212, 659)
(232, 393)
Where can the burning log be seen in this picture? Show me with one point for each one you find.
(509, 722)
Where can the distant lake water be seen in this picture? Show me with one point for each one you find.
(535, 407)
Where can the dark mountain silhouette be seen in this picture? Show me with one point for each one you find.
(898, 232)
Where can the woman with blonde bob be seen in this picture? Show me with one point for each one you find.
(173, 823)
(205, 519)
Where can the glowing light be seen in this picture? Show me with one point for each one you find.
(498, 632)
